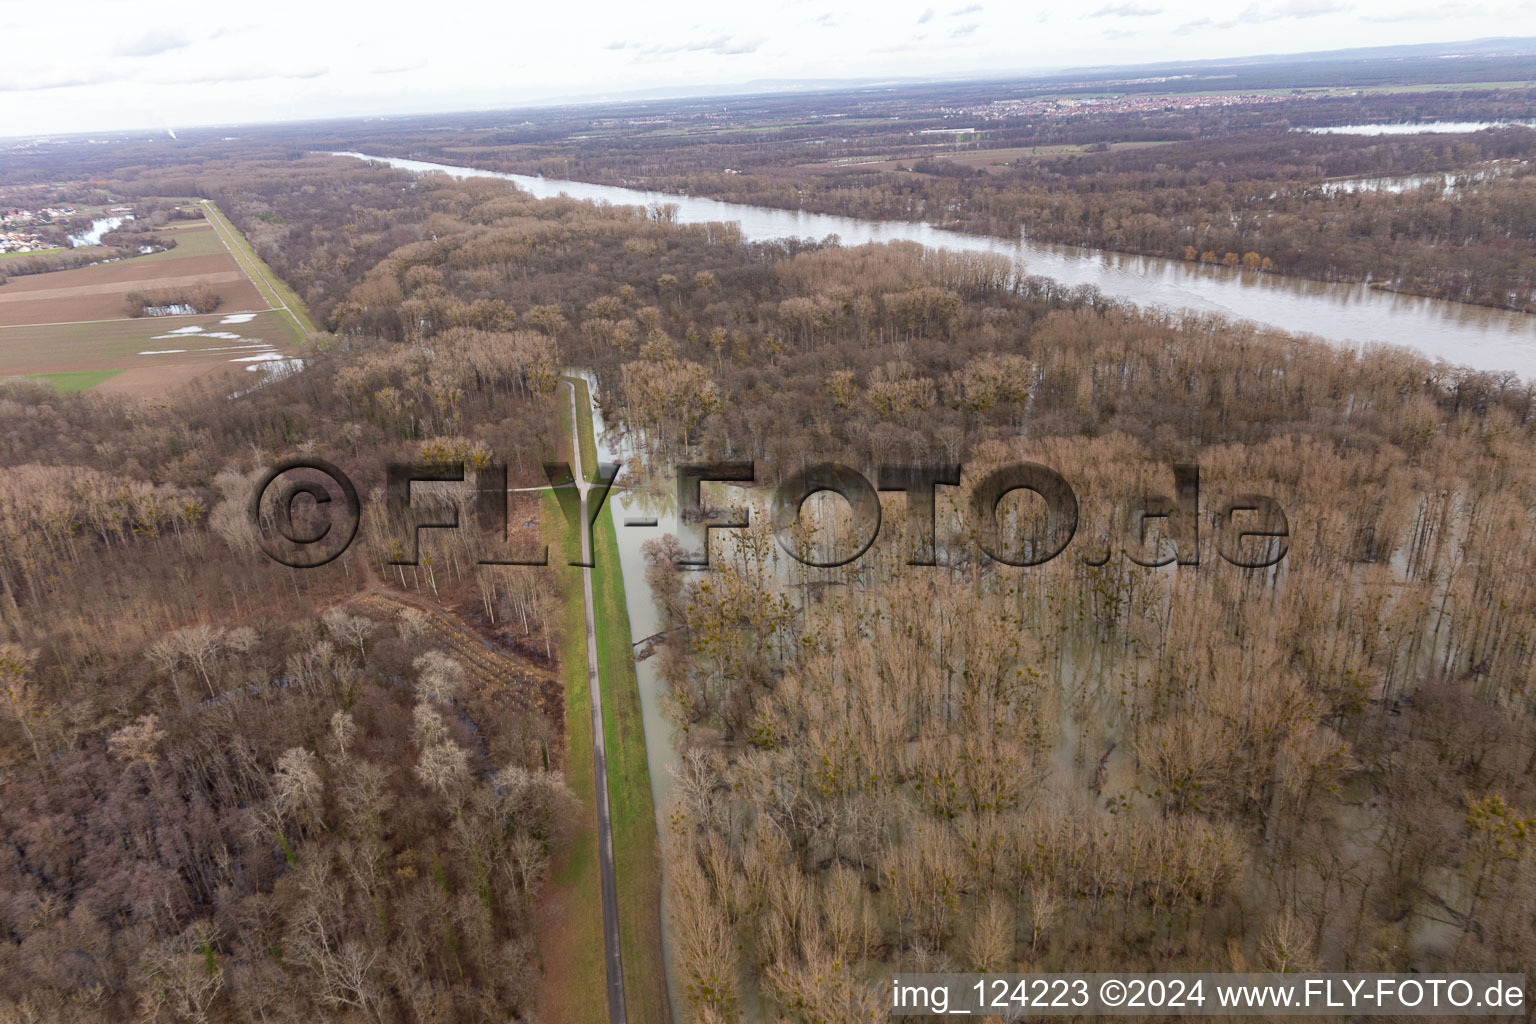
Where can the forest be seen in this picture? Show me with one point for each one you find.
(1239, 184)
(239, 792)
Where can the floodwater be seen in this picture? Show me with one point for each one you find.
(1448, 182)
(1405, 183)
(1420, 128)
(99, 227)
(1344, 314)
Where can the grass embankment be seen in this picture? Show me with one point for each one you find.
(272, 287)
(636, 852)
(584, 417)
(575, 990)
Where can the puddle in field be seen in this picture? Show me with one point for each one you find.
(259, 356)
(267, 356)
(1417, 128)
(271, 372)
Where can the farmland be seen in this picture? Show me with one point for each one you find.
(192, 239)
(100, 292)
(75, 380)
(71, 328)
(970, 156)
(152, 353)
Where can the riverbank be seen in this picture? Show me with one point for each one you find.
(1347, 315)
(829, 204)
(961, 226)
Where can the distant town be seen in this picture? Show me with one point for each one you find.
(1081, 106)
(18, 228)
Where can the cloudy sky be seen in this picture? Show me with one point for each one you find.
(93, 65)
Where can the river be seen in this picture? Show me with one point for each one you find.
(1344, 314)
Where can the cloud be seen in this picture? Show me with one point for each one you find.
(1189, 26)
(246, 74)
(740, 44)
(230, 30)
(618, 45)
(961, 11)
(919, 45)
(1448, 10)
(1125, 10)
(396, 69)
(925, 17)
(964, 30)
(41, 82)
(152, 44)
(722, 45)
(1261, 12)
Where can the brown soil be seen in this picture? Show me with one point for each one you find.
(97, 293)
(155, 381)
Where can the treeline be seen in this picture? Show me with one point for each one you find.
(1267, 195)
(1229, 182)
(197, 298)
(120, 244)
(663, 145)
(69, 259)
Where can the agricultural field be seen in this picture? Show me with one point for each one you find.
(985, 159)
(31, 253)
(101, 292)
(74, 380)
(142, 356)
(193, 238)
(71, 329)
